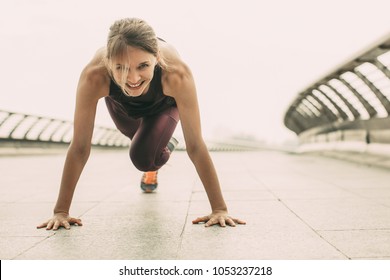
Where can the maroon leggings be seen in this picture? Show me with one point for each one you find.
(150, 135)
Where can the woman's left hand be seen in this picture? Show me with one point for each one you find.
(218, 217)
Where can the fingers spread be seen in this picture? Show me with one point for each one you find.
(73, 221)
(200, 219)
(210, 222)
(240, 222)
(66, 225)
(221, 221)
(42, 225)
(57, 224)
(49, 225)
(230, 222)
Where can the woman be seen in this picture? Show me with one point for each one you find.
(147, 89)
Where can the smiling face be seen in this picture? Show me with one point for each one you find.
(131, 55)
(133, 70)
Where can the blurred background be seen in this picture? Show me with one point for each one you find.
(249, 58)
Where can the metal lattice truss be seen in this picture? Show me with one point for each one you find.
(17, 127)
(356, 95)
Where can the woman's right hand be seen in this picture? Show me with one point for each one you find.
(60, 220)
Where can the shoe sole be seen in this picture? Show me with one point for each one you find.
(148, 188)
(172, 144)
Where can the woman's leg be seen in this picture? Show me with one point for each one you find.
(150, 135)
(125, 124)
(149, 150)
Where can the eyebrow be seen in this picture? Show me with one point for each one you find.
(144, 62)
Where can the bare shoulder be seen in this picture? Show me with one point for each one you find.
(177, 73)
(95, 75)
(172, 58)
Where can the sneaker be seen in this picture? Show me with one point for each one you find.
(149, 181)
(172, 144)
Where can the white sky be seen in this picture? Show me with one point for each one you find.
(249, 58)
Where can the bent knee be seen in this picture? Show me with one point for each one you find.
(143, 162)
(144, 166)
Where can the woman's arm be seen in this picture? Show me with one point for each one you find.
(179, 83)
(91, 87)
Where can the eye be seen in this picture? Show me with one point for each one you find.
(143, 66)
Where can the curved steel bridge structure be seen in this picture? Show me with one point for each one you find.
(26, 131)
(349, 108)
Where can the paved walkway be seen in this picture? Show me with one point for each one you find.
(296, 207)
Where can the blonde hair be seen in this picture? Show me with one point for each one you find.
(133, 32)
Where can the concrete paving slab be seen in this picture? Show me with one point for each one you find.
(132, 192)
(266, 215)
(21, 227)
(383, 201)
(34, 210)
(312, 193)
(262, 238)
(373, 192)
(237, 195)
(105, 247)
(380, 181)
(13, 246)
(358, 244)
(296, 207)
(115, 209)
(341, 214)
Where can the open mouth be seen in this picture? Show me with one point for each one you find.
(135, 86)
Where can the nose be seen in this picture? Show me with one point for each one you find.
(133, 77)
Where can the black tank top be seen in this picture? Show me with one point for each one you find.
(151, 103)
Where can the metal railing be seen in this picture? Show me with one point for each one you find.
(21, 130)
(351, 103)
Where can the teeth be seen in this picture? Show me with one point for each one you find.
(134, 86)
